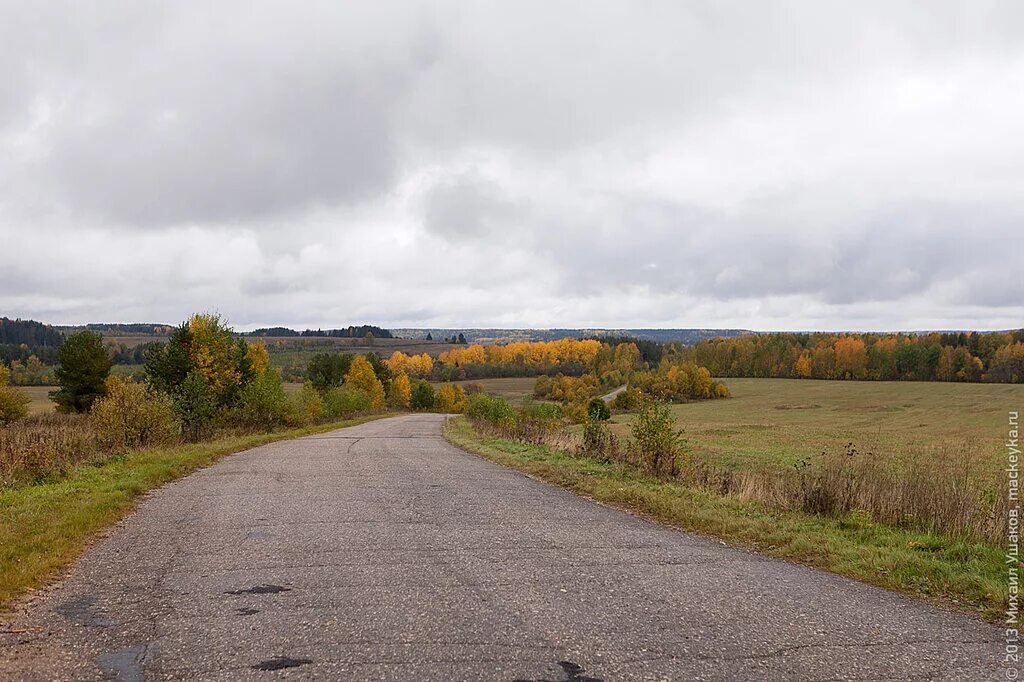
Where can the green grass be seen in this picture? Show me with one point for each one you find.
(775, 422)
(45, 526)
(964, 575)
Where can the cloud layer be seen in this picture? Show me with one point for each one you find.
(767, 165)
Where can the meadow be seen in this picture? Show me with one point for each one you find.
(513, 389)
(778, 422)
(40, 397)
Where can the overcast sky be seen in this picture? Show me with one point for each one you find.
(797, 165)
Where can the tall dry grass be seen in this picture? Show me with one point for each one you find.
(949, 490)
(45, 444)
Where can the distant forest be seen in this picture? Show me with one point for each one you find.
(955, 356)
(117, 328)
(20, 339)
(354, 332)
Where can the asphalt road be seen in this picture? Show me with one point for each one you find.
(382, 552)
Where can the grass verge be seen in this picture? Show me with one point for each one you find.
(965, 575)
(45, 526)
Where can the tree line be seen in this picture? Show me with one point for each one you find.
(960, 356)
(350, 332)
(20, 339)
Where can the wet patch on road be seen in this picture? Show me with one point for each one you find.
(83, 611)
(247, 612)
(124, 665)
(281, 662)
(266, 588)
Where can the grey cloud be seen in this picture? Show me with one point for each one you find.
(174, 122)
(727, 163)
(467, 207)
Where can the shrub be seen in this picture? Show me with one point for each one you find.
(494, 411)
(655, 440)
(422, 396)
(538, 421)
(345, 402)
(678, 382)
(400, 392)
(566, 388)
(598, 410)
(450, 398)
(263, 402)
(195, 403)
(84, 366)
(598, 441)
(362, 377)
(306, 406)
(131, 415)
(548, 413)
(13, 403)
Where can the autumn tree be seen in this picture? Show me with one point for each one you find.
(13, 403)
(217, 356)
(362, 377)
(399, 392)
(851, 357)
(450, 398)
(802, 367)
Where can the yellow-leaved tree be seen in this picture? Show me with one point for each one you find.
(258, 357)
(214, 352)
(450, 398)
(362, 378)
(802, 368)
(400, 392)
(13, 403)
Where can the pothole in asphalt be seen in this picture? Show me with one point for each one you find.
(266, 588)
(281, 662)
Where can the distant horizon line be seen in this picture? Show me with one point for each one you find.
(250, 328)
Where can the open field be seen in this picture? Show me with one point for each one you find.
(779, 421)
(40, 395)
(511, 389)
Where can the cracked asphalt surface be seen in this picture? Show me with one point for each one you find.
(383, 552)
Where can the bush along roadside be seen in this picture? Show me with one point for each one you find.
(952, 569)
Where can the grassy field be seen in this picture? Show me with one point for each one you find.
(775, 422)
(513, 390)
(40, 395)
(957, 573)
(45, 526)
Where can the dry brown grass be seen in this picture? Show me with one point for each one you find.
(946, 489)
(45, 444)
